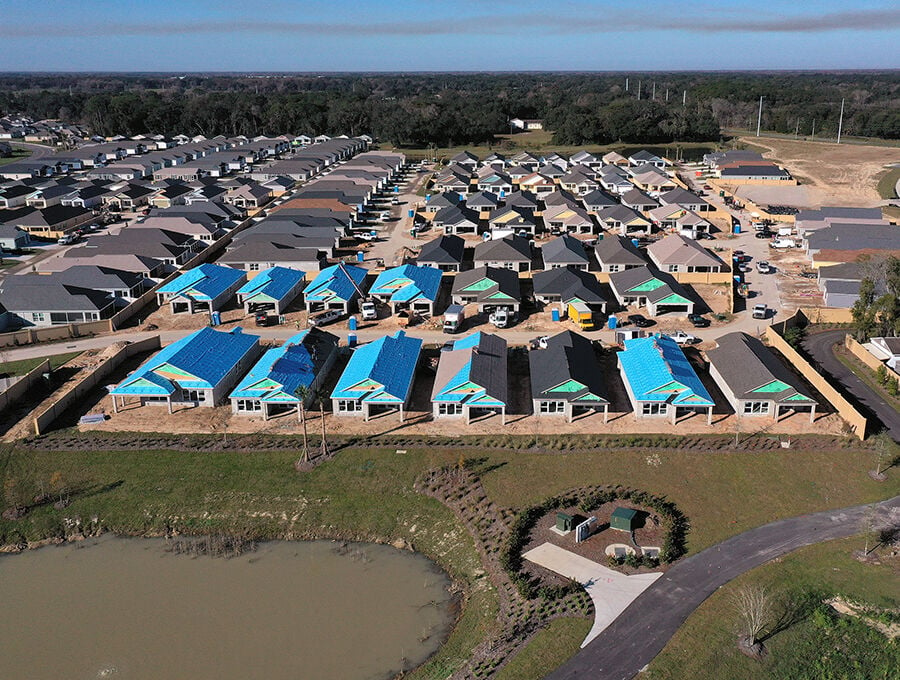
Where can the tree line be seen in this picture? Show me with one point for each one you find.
(448, 109)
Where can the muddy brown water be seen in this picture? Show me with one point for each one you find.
(126, 608)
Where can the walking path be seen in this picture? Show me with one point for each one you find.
(631, 642)
(610, 590)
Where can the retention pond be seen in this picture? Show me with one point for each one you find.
(128, 608)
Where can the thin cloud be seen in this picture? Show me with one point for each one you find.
(863, 20)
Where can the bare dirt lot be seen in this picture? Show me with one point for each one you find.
(835, 174)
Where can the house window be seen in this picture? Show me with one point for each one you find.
(672, 268)
(249, 405)
(349, 405)
(37, 317)
(654, 409)
(756, 408)
(615, 268)
(553, 406)
(449, 409)
(193, 395)
(253, 266)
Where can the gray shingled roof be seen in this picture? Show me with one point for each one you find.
(564, 250)
(508, 249)
(446, 249)
(613, 249)
(569, 356)
(569, 284)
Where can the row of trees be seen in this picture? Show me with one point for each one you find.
(444, 109)
(877, 311)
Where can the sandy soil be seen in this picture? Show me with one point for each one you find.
(839, 174)
(794, 290)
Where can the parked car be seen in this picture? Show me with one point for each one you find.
(640, 321)
(683, 338)
(369, 311)
(326, 317)
(782, 243)
(765, 233)
(698, 321)
(763, 267)
(760, 311)
(265, 319)
(67, 239)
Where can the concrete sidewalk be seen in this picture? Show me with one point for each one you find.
(610, 591)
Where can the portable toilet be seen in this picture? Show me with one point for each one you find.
(215, 319)
(351, 323)
(737, 227)
(635, 242)
(427, 197)
(410, 213)
(360, 256)
(351, 339)
(612, 323)
(502, 194)
(396, 188)
(554, 314)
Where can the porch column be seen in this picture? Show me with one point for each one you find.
(606, 414)
(709, 416)
(503, 415)
(674, 413)
(265, 411)
(777, 412)
(812, 413)
(115, 404)
(299, 413)
(169, 403)
(366, 411)
(570, 412)
(401, 413)
(468, 414)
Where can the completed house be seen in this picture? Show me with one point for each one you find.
(660, 380)
(199, 370)
(677, 253)
(286, 376)
(205, 288)
(568, 286)
(379, 377)
(617, 253)
(408, 287)
(754, 381)
(566, 379)
(565, 251)
(444, 253)
(46, 300)
(511, 252)
(471, 378)
(646, 287)
(489, 288)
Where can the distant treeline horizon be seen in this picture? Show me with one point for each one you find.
(446, 109)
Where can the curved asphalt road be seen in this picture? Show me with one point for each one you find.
(640, 633)
(819, 345)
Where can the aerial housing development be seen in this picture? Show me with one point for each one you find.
(527, 374)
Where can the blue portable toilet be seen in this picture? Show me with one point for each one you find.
(351, 339)
(215, 319)
(737, 227)
(360, 256)
(351, 323)
(410, 213)
(635, 242)
(396, 188)
(612, 323)
(554, 314)
(502, 194)
(427, 197)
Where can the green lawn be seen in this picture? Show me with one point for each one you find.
(887, 183)
(864, 373)
(17, 155)
(817, 647)
(549, 649)
(367, 494)
(25, 365)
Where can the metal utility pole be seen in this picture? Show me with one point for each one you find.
(667, 94)
(626, 84)
(684, 98)
(840, 122)
(653, 96)
(813, 138)
(797, 130)
(759, 117)
(639, 90)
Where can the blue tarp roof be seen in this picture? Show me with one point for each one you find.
(205, 356)
(332, 282)
(422, 283)
(206, 282)
(275, 282)
(657, 370)
(387, 366)
(289, 367)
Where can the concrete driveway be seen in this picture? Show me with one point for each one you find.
(610, 591)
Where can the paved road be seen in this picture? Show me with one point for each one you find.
(37, 150)
(636, 637)
(819, 347)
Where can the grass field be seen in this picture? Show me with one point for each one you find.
(17, 155)
(367, 494)
(22, 367)
(887, 184)
(547, 650)
(866, 374)
(812, 648)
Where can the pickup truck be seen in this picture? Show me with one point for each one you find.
(369, 311)
(760, 311)
(323, 318)
(698, 321)
(683, 338)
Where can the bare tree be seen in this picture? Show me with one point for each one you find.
(753, 605)
(303, 394)
(324, 451)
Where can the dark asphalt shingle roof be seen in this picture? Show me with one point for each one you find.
(569, 356)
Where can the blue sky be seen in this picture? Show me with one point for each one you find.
(464, 35)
